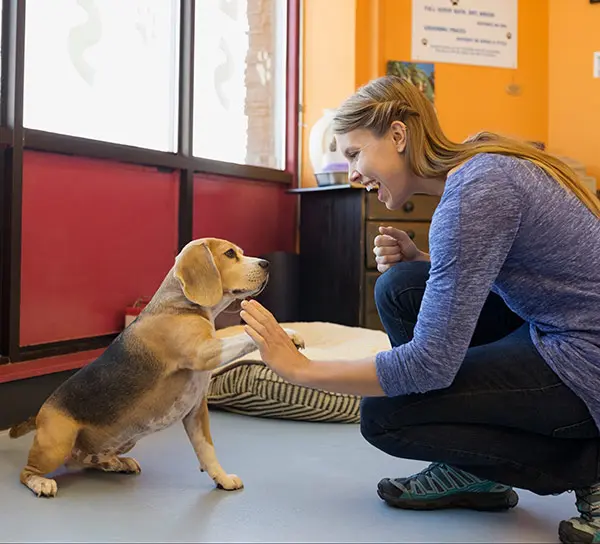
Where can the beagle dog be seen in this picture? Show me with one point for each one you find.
(154, 374)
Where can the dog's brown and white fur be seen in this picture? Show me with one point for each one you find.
(154, 374)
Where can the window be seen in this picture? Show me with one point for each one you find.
(240, 81)
(103, 69)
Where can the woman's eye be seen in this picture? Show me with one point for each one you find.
(230, 253)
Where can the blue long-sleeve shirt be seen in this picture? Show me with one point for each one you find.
(504, 225)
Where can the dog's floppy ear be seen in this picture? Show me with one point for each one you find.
(198, 275)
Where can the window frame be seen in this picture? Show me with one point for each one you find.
(15, 139)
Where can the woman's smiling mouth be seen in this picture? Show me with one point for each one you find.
(371, 184)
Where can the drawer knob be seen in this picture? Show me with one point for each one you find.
(411, 234)
(408, 207)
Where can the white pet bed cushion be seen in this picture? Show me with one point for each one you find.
(247, 386)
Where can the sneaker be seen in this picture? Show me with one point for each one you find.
(442, 486)
(584, 529)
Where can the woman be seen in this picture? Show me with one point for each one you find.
(494, 374)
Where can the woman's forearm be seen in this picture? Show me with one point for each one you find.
(352, 377)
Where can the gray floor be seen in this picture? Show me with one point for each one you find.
(305, 482)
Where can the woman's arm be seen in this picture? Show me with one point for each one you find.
(353, 377)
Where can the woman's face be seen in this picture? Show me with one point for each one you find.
(379, 163)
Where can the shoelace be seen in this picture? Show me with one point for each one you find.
(418, 476)
(426, 471)
(587, 507)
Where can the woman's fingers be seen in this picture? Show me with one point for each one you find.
(257, 310)
(258, 339)
(384, 240)
(389, 259)
(253, 322)
(393, 232)
(267, 316)
(260, 319)
(386, 250)
(383, 267)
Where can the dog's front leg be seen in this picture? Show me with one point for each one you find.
(197, 427)
(224, 350)
(211, 354)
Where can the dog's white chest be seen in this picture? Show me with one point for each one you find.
(189, 397)
(186, 399)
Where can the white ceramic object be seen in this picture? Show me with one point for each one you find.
(322, 158)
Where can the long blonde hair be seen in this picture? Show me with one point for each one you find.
(429, 153)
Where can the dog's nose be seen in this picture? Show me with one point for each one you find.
(263, 264)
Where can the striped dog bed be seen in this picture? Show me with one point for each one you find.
(247, 386)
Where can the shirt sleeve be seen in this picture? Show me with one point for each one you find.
(471, 234)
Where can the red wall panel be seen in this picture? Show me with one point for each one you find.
(96, 235)
(259, 217)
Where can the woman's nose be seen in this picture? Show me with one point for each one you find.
(354, 176)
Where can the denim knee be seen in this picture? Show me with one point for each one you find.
(400, 277)
(371, 419)
(399, 280)
(382, 427)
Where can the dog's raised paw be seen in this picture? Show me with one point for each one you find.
(229, 482)
(295, 338)
(42, 487)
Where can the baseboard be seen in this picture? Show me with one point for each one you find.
(65, 347)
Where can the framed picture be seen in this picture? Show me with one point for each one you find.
(418, 73)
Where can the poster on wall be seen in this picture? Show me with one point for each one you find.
(420, 74)
(475, 32)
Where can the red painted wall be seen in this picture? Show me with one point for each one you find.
(96, 235)
(258, 217)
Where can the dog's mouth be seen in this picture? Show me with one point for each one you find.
(246, 293)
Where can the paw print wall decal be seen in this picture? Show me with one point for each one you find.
(264, 66)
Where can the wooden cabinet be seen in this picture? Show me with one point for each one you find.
(338, 225)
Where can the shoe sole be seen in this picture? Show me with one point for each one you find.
(570, 535)
(484, 502)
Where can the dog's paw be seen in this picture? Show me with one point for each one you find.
(296, 338)
(229, 482)
(128, 465)
(42, 487)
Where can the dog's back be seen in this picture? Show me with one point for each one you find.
(110, 386)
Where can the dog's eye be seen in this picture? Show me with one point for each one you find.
(230, 254)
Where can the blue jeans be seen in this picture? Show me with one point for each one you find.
(506, 417)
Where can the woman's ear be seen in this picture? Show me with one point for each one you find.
(398, 133)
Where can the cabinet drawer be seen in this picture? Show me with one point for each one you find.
(418, 208)
(418, 232)
(371, 317)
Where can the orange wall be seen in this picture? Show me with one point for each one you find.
(348, 42)
(328, 64)
(472, 98)
(574, 95)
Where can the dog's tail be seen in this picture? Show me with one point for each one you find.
(23, 428)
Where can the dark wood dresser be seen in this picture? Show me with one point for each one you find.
(337, 266)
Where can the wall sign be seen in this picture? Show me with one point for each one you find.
(476, 32)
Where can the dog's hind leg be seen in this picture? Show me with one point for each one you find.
(197, 427)
(107, 462)
(55, 436)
